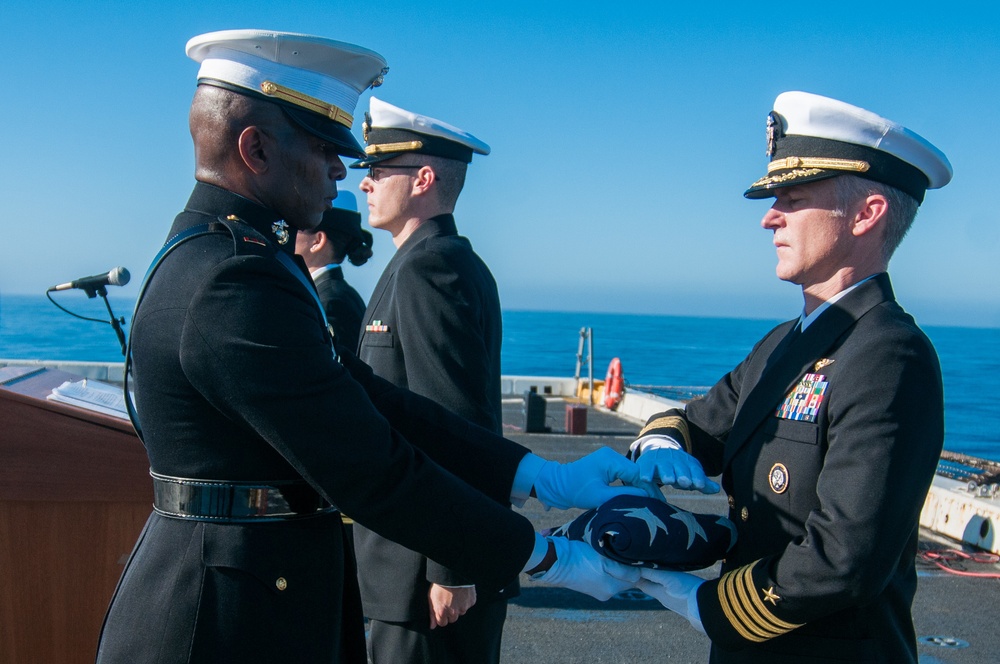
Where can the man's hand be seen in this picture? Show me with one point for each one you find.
(673, 466)
(585, 482)
(677, 591)
(448, 604)
(578, 567)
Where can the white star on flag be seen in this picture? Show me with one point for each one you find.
(651, 520)
(732, 530)
(694, 528)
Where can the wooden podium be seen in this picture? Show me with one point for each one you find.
(75, 492)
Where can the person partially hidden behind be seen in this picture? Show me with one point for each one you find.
(433, 326)
(324, 249)
(259, 429)
(827, 435)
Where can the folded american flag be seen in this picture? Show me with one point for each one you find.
(646, 532)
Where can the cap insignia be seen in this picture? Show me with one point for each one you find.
(366, 126)
(378, 80)
(770, 595)
(280, 230)
(773, 133)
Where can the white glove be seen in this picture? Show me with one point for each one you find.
(663, 460)
(584, 483)
(579, 567)
(677, 591)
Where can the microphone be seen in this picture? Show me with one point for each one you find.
(118, 276)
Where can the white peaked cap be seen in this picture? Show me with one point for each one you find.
(386, 116)
(391, 131)
(318, 79)
(811, 137)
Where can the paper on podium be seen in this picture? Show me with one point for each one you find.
(92, 395)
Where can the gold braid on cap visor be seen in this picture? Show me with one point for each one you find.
(335, 113)
(818, 162)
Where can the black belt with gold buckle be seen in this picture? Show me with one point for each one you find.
(236, 502)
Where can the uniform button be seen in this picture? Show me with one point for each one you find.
(744, 514)
(281, 584)
(732, 502)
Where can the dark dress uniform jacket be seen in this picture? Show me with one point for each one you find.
(434, 328)
(826, 505)
(344, 307)
(235, 380)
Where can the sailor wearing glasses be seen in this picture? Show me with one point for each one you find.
(433, 326)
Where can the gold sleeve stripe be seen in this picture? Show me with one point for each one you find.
(818, 162)
(670, 422)
(735, 613)
(335, 113)
(751, 597)
(744, 609)
(382, 148)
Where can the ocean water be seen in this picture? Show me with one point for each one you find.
(676, 356)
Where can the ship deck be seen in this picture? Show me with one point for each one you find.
(951, 612)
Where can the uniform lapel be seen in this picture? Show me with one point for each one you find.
(786, 364)
(440, 225)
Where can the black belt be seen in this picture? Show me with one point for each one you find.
(236, 502)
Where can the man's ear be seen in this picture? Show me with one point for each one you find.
(424, 180)
(319, 242)
(871, 213)
(254, 146)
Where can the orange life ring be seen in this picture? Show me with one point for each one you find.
(614, 385)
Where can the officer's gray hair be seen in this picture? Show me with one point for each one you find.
(902, 207)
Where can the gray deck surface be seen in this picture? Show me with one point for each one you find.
(554, 626)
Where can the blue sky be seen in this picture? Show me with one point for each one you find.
(623, 136)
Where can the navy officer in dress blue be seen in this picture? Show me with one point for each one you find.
(827, 435)
(433, 326)
(257, 434)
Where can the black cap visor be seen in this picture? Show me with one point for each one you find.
(881, 167)
(764, 187)
(327, 129)
(372, 159)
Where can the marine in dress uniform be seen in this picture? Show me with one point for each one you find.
(827, 435)
(338, 237)
(256, 433)
(433, 325)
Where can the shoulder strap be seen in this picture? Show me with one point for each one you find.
(236, 229)
(168, 246)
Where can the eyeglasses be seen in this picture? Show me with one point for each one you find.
(373, 170)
